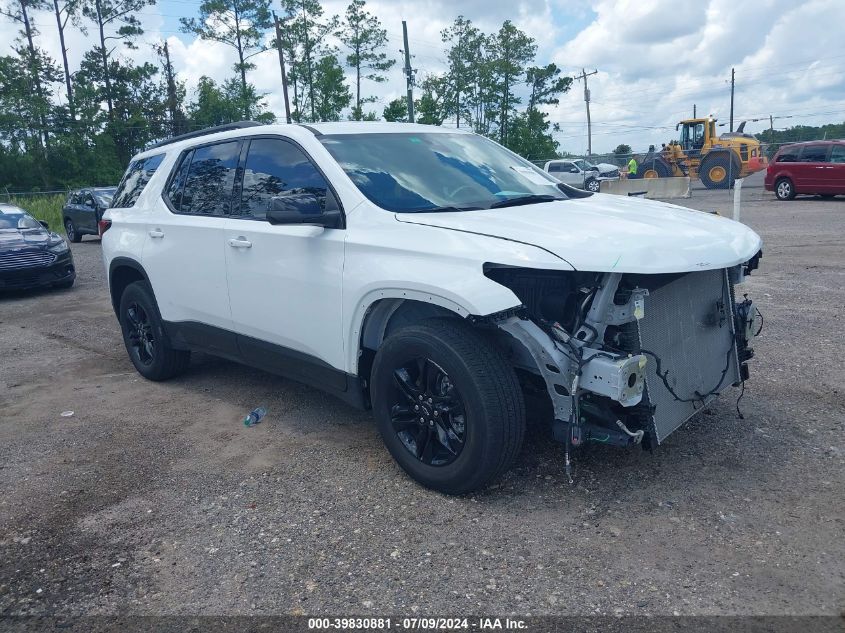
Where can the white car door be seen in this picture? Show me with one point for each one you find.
(284, 280)
(184, 255)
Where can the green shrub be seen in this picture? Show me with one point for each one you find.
(47, 207)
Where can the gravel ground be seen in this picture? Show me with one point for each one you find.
(155, 499)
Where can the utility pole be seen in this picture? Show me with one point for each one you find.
(176, 118)
(584, 74)
(409, 73)
(694, 115)
(282, 64)
(772, 128)
(733, 82)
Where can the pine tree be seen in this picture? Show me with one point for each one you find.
(511, 50)
(363, 36)
(117, 18)
(236, 23)
(305, 22)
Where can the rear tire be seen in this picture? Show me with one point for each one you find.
(718, 171)
(72, 234)
(784, 189)
(448, 405)
(146, 342)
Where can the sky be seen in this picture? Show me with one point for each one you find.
(655, 58)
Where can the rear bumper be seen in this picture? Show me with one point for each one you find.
(61, 270)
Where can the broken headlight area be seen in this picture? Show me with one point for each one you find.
(628, 358)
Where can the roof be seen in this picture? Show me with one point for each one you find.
(380, 127)
(819, 142)
(238, 130)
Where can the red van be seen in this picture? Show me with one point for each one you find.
(814, 167)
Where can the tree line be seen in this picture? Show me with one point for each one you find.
(113, 107)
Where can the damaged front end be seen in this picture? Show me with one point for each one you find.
(628, 358)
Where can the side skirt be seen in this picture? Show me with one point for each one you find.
(274, 359)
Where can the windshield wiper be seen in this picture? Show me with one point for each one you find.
(530, 199)
(447, 209)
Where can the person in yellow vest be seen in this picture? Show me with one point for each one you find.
(632, 168)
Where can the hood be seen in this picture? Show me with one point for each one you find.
(606, 168)
(15, 238)
(607, 233)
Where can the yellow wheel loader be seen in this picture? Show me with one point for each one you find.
(700, 153)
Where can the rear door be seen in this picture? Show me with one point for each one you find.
(72, 207)
(183, 254)
(811, 168)
(836, 170)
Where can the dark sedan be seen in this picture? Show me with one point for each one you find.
(31, 256)
(84, 209)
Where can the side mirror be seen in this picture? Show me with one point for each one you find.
(574, 170)
(301, 208)
(44, 224)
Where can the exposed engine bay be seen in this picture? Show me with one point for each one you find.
(628, 358)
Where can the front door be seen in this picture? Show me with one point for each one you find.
(835, 175)
(284, 280)
(571, 175)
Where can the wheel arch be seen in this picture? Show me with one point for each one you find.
(380, 311)
(122, 272)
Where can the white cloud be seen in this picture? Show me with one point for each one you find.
(656, 58)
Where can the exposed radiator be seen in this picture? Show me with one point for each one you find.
(689, 325)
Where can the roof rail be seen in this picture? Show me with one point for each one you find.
(209, 130)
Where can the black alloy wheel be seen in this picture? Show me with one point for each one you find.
(146, 341)
(447, 404)
(140, 333)
(427, 412)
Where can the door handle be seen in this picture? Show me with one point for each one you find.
(240, 242)
(158, 233)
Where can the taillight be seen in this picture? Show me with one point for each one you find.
(103, 226)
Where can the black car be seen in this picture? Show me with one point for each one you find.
(30, 254)
(84, 209)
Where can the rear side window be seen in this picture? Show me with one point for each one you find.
(209, 180)
(555, 167)
(789, 154)
(276, 168)
(134, 180)
(814, 154)
(176, 188)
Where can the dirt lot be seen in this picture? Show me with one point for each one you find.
(154, 498)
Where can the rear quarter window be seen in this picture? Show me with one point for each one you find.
(137, 176)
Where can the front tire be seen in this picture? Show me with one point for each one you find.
(448, 405)
(146, 342)
(784, 189)
(718, 171)
(593, 185)
(72, 234)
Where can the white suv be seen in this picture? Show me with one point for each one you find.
(432, 275)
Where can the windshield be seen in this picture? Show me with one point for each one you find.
(18, 221)
(104, 196)
(410, 173)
